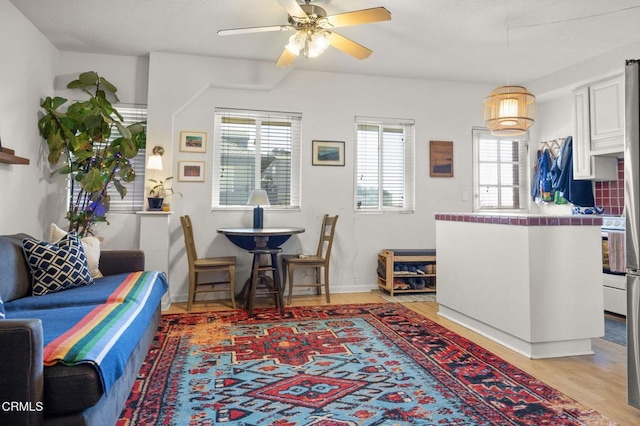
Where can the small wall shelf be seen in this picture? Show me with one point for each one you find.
(7, 156)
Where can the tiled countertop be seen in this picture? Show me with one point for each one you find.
(522, 219)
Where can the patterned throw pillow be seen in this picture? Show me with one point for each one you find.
(2, 316)
(56, 267)
(91, 246)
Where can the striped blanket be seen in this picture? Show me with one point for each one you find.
(107, 335)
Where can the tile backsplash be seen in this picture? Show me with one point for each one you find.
(610, 195)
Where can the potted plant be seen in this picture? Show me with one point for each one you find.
(159, 192)
(91, 139)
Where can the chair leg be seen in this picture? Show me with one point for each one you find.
(254, 284)
(292, 270)
(326, 283)
(319, 284)
(285, 275)
(193, 278)
(277, 287)
(232, 290)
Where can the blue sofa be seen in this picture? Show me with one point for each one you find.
(71, 357)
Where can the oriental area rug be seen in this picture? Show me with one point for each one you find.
(344, 365)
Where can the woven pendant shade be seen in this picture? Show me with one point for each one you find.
(509, 110)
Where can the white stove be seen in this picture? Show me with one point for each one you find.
(613, 223)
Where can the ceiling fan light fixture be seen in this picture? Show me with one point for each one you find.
(314, 30)
(296, 42)
(317, 44)
(509, 111)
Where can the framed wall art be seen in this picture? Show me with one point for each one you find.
(328, 153)
(441, 158)
(191, 171)
(193, 141)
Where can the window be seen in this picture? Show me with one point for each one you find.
(256, 149)
(499, 171)
(134, 200)
(384, 165)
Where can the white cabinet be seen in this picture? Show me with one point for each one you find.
(154, 242)
(581, 141)
(598, 129)
(606, 111)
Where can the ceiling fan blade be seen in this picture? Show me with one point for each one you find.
(286, 58)
(358, 17)
(250, 30)
(293, 8)
(349, 46)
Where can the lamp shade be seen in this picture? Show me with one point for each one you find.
(154, 162)
(258, 197)
(509, 111)
(296, 43)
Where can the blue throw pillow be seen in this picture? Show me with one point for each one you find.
(58, 266)
(2, 316)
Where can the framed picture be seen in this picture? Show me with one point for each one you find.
(193, 141)
(327, 153)
(191, 171)
(441, 158)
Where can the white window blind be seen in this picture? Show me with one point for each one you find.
(256, 149)
(499, 172)
(134, 200)
(384, 165)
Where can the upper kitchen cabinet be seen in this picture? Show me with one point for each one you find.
(606, 110)
(599, 129)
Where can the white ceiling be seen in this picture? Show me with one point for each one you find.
(431, 39)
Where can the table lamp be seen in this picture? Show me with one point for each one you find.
(256, 198)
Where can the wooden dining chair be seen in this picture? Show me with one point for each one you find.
(208, 264)
(319, 261)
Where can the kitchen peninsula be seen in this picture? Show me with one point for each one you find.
(532, 283)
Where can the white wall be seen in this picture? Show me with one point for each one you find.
(27, 200)
(30, 198)
(184, 90)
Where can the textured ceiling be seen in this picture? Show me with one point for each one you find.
(432, 39)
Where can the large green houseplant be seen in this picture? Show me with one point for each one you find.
(95, 146)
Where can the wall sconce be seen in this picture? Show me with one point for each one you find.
(155, 161)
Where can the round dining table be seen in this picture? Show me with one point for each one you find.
(254, 238)
(250, 238)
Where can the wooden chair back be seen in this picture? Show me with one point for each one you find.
(327, 233)
(189, 242)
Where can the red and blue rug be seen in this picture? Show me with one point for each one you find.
(376, 364)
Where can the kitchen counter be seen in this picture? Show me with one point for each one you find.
(532, 283)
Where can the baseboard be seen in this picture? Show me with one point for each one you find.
(182, 297)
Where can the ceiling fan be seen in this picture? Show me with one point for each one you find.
(314, 30)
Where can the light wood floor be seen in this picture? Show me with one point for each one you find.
(597, 381)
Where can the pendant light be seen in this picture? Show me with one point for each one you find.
(509, 110)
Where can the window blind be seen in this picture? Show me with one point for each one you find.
(499, 171)
(256, 149)
(384, 164)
